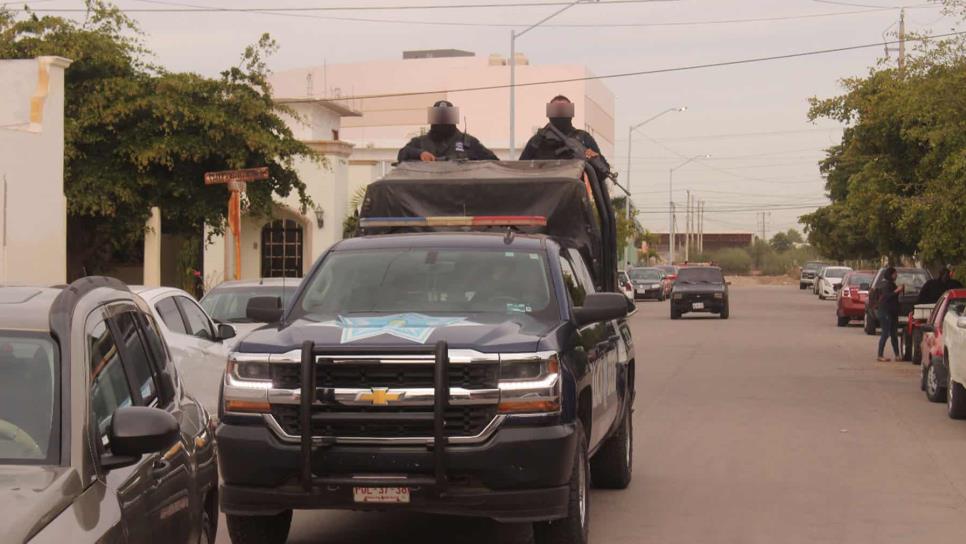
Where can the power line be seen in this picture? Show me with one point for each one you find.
(189, 8)
(297, 12)
(753, 60)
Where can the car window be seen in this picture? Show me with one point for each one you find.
(198, 324)
(938, 312)
(169, 313)
(135, 356)
(859, 279)
(152, 336)
(583, 275)
(29, 399)
(109, 385)
(574, 289)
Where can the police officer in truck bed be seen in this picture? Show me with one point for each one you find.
(444, 140)
(546, 145)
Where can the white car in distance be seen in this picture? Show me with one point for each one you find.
(197, 341)
(830, 281)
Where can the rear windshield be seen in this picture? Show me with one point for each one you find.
(836, 272)
(228, 304)
(29, 399)
(859, 279)
(912, 279)
(813, 266)
(427, 280)
(700, 275)
(646, 274)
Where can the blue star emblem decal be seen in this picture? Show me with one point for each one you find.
(413, 327)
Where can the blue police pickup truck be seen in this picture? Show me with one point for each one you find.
(448, 363)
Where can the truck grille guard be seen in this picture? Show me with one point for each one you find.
(440, 352)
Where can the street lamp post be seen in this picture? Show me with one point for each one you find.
(513, 68)
(628, 251)
(670, 202)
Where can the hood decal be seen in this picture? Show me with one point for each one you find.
(409, 326)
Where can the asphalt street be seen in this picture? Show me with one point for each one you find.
(774, 426)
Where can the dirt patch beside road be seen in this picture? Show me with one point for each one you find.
(746, 281)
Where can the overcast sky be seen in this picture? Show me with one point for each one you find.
(750, 118)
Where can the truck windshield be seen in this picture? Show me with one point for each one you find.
(29, 393)
(430, 281)
(646, 274)
(700, 275)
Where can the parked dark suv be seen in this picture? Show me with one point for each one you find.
(912, 278)
(99, 442)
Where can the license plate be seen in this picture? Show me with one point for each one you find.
(381, 495)
(697, 306)
(641, 290)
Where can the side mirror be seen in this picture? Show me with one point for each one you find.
(226, 331)
(631, 306)
(601, 307)
(137, 430)
(727, 283)
(264, 309)
(837, 286)
(864, 287)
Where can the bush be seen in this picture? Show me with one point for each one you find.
(733, 260)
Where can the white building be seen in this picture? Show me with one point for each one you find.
(387, 123)
(33, 209)
(288, 243)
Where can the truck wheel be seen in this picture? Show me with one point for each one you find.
(726, 311)
(843, 321)
(934, 392)
(802, 286)
(259, 529)
(956, 400)
(917, 348)
(675, 313)
(611, 467)
(869, 325)
(572, 529)
(906, 346)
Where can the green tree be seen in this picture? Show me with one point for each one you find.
(627, 229)
(137, 135)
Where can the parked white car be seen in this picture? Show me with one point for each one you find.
(954, 353)
(228, 302)
(830, 281)
(197, 342)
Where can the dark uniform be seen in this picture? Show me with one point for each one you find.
(546, 145)
(449, 145)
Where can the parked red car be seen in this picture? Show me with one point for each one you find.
(934, 372)
(852, 296)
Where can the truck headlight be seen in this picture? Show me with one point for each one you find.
(248, 379)
(719, 295)
(529, 383)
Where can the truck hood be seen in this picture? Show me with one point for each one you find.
(32, 496)
(481, 332)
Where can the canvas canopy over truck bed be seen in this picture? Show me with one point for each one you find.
(567, 193)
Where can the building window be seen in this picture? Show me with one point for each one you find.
(282, 249)
(335, 134)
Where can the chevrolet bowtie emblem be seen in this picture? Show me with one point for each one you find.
(379, 396)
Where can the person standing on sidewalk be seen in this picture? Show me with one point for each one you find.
(889, 312)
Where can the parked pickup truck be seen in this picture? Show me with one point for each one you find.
(912, 278)
(466, 365)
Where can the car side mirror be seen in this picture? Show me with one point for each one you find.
(727, 283)
(599, 307)
(864, 287)
(631, 306)
(837, 286)
(226, 331)
(137, 430)
(264, 309)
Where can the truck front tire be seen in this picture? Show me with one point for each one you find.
(572, 529)
(611, 467)
(259, 529)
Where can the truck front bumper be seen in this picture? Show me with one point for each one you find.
(519, 475)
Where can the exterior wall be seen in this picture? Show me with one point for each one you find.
(327, 186)
(34, 209)
(388, 123)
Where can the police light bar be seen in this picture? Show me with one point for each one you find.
(456, 221)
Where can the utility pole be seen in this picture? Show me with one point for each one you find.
(687, 229)
(701, 227)
(902, 39)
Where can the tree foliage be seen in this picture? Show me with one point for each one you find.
(627, 229)
(137, 135)
(897, 180)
